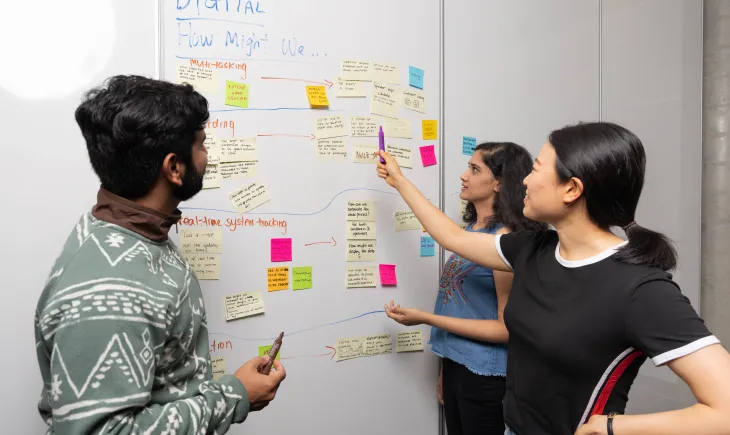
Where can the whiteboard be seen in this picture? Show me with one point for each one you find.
(285, 46)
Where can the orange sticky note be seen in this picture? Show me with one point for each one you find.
(317, 96)
(429, 128)
(278, 278)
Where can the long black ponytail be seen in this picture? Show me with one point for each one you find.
(610, 162)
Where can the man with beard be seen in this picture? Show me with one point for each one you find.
(121, 332)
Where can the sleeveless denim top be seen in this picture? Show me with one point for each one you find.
(467, 291)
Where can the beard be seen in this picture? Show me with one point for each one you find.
(192, 183)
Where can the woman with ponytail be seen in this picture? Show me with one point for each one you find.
(468, 331)
(587, 308)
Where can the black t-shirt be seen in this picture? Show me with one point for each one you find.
(580, 330)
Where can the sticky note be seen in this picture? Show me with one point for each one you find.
(359, 70)
(302, 277)
(360, 250)
(349, 88)
(330, 126)
(398, 127)
(205, 266)
(378, 344)
(317, 96)
(415, 77)
(468, 145)
(202, 79)
(201, 241)
(401, 155)
(212, 147)
(237, 94)
(242, 305)
(218, 367)
(361, 211)
(211, 177)
(385, 73)
(281, 250)
(428, 155)
(331, 149)
(265, 350)
(239, 170)
(387, 274)
(428, 246)
(384, 100)
(409, 341)
(358, 347)
(364, 126)
(278, 278)
(414, 100)
(429, 129)
(248, 198)
(238, 149)
(406, 221)
(360, 277)
(365, 153)
(361, 230)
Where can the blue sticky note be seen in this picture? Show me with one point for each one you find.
(428, 246)
(469, 145)
(415, 77)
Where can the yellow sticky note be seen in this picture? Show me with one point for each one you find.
(219, 367)
(409, 341)
(236, 94)
(430, 129)
(317, 96)
(278, 278)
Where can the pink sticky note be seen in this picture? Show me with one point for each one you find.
(387, 274)
(280, 250)
(428, 155)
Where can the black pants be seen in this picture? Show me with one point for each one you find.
(472, 403)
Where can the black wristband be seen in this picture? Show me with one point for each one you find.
(609, 428)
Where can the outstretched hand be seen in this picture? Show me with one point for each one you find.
(389, 171)
(405, 316)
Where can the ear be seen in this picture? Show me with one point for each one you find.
(573, 190)
(497, 186)
(173, 169)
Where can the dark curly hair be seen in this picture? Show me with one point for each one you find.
(510, 164)
(132, 123)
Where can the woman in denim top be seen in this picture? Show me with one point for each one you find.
(468, 328)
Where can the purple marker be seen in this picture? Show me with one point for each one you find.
(381, 144)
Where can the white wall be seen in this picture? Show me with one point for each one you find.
(652, 84)
(41, 136)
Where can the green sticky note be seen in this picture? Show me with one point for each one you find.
(236, 94)
(264, 351)
(302, 277)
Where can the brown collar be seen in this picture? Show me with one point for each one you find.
(149, 223)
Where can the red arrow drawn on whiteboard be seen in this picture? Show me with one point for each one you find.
(333, 243)
(334, 351)
(310, 136)
(326, 82)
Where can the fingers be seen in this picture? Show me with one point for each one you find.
(258, 362)
(279, 374)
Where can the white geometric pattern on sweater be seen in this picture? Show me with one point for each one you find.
(137, 367)
(106, 299)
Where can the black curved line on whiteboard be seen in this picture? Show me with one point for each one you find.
(297, 332)
(293, 214)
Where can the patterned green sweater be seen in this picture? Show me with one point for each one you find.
(122, 341)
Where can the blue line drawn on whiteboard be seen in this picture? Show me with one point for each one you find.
(220, 20)
(295, 214)
(239, 59)
(301, 330)
(269, 108)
